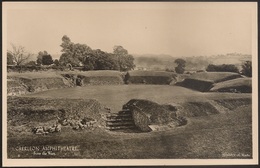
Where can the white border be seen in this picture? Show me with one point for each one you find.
(128, 162)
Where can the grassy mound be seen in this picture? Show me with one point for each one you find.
(197, 109)
(206, 108)
(104, 77)
(215, 76)
(25, 112)
(150, 77)
(240, 85)
(21, 83)
(41, 84)
(146, 113)
(233, 104)
(203, 81)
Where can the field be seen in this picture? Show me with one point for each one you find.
(219, 124)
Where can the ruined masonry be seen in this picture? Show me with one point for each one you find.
(122, 120)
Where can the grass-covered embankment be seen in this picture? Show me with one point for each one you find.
(30, 82)
(240, 85)
(150, 77)
(104, 77)
(206, 81)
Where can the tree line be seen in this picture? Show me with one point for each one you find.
(246, 67)
(75, 54)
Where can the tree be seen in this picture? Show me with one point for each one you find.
(56, 62)
(10, 60)
(247, 69)
(68, 59)
(105, 61)
(89, 62)
(66, 43)
(20, 56)
(39, 57)
(125, 61)
(47, 60)
(75, 53)
(180, 65)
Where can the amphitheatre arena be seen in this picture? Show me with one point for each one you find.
(129, 115)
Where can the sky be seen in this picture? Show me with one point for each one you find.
(173, 28)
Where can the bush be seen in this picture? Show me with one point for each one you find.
(179, 69)
(126, 78)
(222, 68)
(247, 69)
(180, 66)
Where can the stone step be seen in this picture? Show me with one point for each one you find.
(118, 115)
(118, 119)
(119, 123)
(126, 111)
(120, 127)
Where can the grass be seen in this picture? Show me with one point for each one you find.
(118, 95)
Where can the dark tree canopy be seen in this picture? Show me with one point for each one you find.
(39, 57)
(47, 60)
(179, 70)
(56, 62)
(180, 62)
(247, 69)
(10, 60)
(180, 65)
(80, 54)
(74, 54)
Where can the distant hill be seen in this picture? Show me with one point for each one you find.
(193, 63)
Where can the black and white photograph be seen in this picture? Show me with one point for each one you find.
(129, 83)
